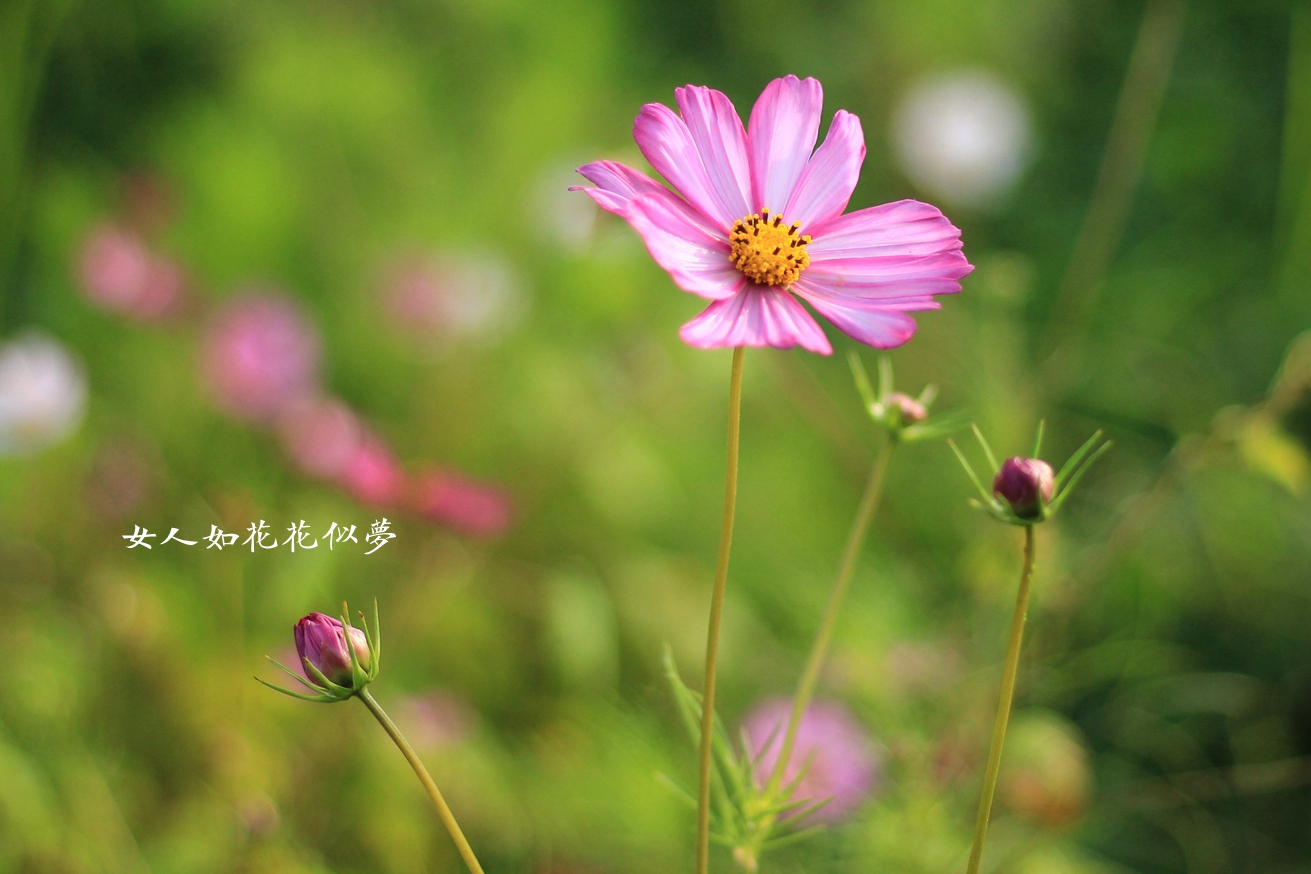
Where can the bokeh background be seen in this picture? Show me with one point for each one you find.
(317, 261)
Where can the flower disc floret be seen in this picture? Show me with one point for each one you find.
(767, 251)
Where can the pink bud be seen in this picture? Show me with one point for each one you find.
(1026, 484)
(911, 411)
(322, 640)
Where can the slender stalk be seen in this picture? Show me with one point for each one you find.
(1140, 99)
(716, 612)
(1004, 705)
(819, 650)
(443, 812)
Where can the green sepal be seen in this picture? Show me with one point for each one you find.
(318, 699)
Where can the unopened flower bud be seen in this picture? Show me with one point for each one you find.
(1026, 484)
(911, 411)
(322, 640)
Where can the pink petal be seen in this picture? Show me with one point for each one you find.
(906, 227)
(667, 143)
(681, 244)
(756, 317)
(781, 135)
(893, 275)
(830, 176)
(875, 323)
(722, 144)
(617, 184)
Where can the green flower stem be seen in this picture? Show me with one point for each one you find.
(716, 612)
(819, 651)
(443, 812)
(1004, 705)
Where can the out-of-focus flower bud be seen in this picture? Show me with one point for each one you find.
(321, 640)
(911, 411)
(842, 764)
(1026, 484)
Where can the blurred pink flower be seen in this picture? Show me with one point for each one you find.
(843, 764)
(435, 719)
(119, 274)
(321, 435)
(259, 356)
(465, 505)
(755, 221)
(371, 474)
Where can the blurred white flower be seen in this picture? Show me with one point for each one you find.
(963, 136)
(42, 393)
(475, 294)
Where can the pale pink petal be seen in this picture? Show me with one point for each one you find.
(876, 323)
(666, 142)
(722, 144)
(906, 227)
(756, 317)
(617, 184)
(781, 135)
(697, 261)
(893, 275)
(830, 176)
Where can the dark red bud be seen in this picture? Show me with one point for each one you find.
(322, 640)
(1026, 484)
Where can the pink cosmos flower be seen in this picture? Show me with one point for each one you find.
(843, 765)
(371, 473)
(755, 221)
(321, 435)
(119, 274)
(260, 355)
(465, 505)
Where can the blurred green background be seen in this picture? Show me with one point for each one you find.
(1153, 286)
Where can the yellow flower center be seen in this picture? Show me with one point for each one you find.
(767, 251)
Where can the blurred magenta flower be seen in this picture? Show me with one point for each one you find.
(755, 221)
(371, 474)
(321, 640)
(465, 505)
(1026, 484)
(42, 393)
(119, 274)
(259, 356)
(843, 765)
(321, 435)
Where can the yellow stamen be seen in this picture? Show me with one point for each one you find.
(767, 251)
